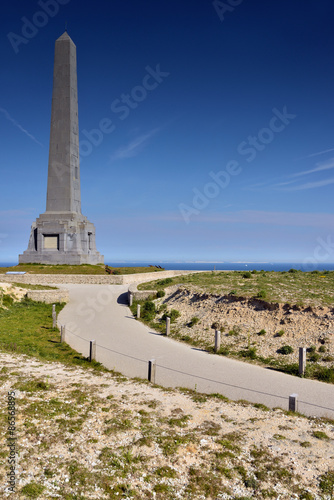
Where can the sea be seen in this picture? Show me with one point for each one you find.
(219, 266)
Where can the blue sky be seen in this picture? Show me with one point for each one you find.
(206, 127)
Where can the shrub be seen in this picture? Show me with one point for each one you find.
(193, 321)
(293, 270)
(286, 349)
(249, 353)
(314, 357)
(148, 311)
(173, 314)
(262, 332)
(320, 435)
(322, 348)
(247, 274)
(322, 373)
(7, 300)
(262, 294)
(280, 333)
(232, 292)
(160, 294)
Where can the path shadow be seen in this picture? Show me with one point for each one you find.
(157, 334)
(123, 299)
(197, 349)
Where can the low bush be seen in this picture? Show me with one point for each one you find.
(173, 314)
(6, 300)
(160, 294)
(249, 353)
(262, 332)
(193, 321)
(262, 294)
(286, 349)
(314, 357)
(247, 275)
(148, 311)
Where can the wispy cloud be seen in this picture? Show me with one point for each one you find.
(290, 182)
(134, 147)
(318, 154)
(311, 185)
(328, 165)
(16, 124)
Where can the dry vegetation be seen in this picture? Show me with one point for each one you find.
(83, 435)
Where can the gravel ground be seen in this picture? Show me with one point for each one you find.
(241, 321)
(83, 435)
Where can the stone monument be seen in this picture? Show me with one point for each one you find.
(62, 235)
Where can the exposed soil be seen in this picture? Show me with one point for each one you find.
(241, 321)
(89, 436)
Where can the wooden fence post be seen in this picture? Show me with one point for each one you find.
(54, 319)
(62, 333)
(302, 360)
(167, 326)
(217, 340)
(151, 370)
(92, 350)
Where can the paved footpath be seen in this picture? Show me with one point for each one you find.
(101, 313)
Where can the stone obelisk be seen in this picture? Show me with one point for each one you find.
(62, 235)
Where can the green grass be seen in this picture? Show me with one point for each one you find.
(299, 288)
(80, 269)
(34, 287)
(32, 490)
(26, 328)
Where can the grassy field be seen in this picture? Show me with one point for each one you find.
(294, 287)
(26, 328)
(82, 269)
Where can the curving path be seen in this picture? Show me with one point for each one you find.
(101, 313)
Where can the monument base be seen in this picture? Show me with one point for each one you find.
(62, 238)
